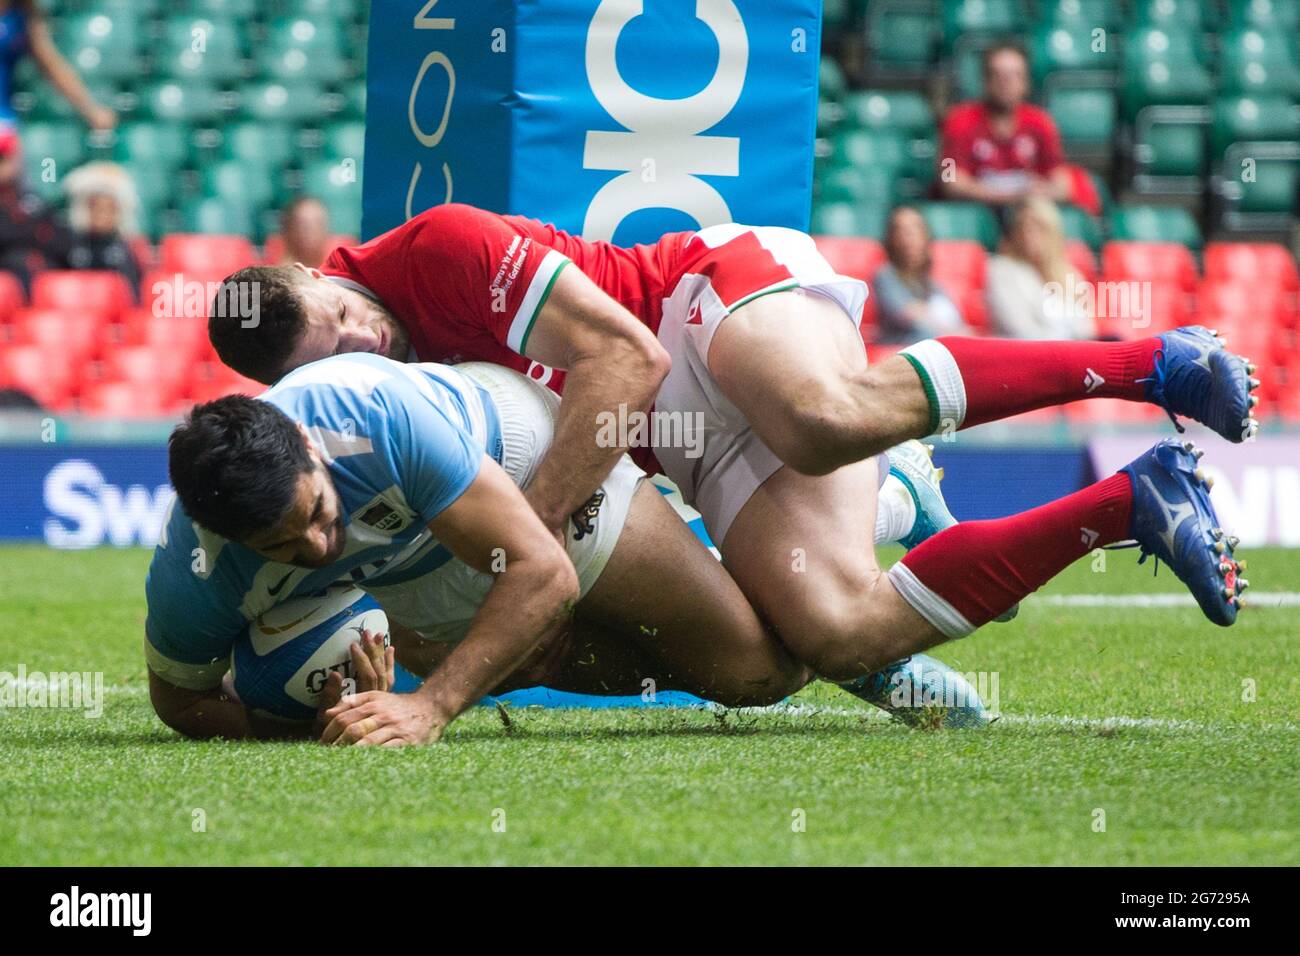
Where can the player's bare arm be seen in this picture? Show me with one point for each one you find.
(492, 528)
(610, 359)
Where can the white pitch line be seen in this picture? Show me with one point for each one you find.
(1253, 599)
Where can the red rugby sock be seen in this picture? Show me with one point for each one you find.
(968, 574)
(1004, 377)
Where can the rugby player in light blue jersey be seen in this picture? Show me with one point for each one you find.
(404, 479)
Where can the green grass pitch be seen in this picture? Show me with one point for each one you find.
(1205, 776)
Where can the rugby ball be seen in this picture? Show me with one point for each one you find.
(282, 661)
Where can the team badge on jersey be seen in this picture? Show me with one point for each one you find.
(584, 519)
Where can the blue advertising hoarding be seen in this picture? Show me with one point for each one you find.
(614, 119)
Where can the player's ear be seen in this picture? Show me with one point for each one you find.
(314, 273)
(311, 445)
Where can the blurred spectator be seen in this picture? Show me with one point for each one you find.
(32, 237)
(1033, 292)
(16, 400)
(305, 229)
(909, 305)
(1002, 149)
(102, 208)
(23, 30)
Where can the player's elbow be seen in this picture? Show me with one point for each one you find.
(175, 707)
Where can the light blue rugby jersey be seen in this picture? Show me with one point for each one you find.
(402, 442)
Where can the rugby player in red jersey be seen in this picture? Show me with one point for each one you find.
(752, 330)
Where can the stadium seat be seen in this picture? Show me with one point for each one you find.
(184, 337)
(47, 376)
(236, 181)
(870, 147)
(205, 49)
(214, 380)
(190, 103)
(1282, 15)
(1167, 13)
(1174, 43)
(1093, 13)
(274, 102)
(1085, 116)
(78, 333)
(1082, 258)
(1255, 263)
(1070, 47)
(849, 219)
(346, 140)
(267, 143)
(105, 294)
(100, 45)
(1253, 119)
(1271, 189)
(859, 184)
(205, 255)
(1164, 149)
(859, 258)
(1168, 262)
(166, 144)
(1155, 224)
(1080, 226)
(149, 368)
(209, 214)
(1165, 83)
(900, 36)
(964, 18)
(63, 142)
(125, 399)
(337, 183)
(961, 220)
(958, 265)
(303, 48)
(12, 296)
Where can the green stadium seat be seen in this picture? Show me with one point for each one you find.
(1273, 189)
(861, 185)
(166, 144)
(269, 143)
(338, 10)
(838, 14)
(189, 103)
(354, 99)
(62, 142)
(1170, 149)
(1164, 83)
(900, 36)
(346, 140)
(243, 10)
(1085, 116)
(964, 18)
(100, 45)
(1155, 224)
(832, 84)
(299, 48)
(239, 181)
(1079, 225)
(273, 102)
(1070, 47)
(1173, 44)
(1170, 13)
(1265, 14)
(155, 185)
(1090, 13)
(337, 183)
(848, 219)
(1253, 119)
(871, 147)
(211, 215)
(1260, 62)
(962, 220)
(905, 111)
(203, 49)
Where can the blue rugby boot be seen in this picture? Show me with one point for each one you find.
(1196, 376)
(1174, 520)
(923, 693)
(911, 463)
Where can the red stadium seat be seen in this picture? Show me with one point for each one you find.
(153, 368)
(1082, 259)
(1150, 262)
(119, 399)
(49, 377)
(104, 293)
(12, 296)
(187, 294)
(183, 337)
(958, 266)
(848, 255)
(1257, 263)
(1270, 303)
(77, 333)
(205, 254)
(213, 380)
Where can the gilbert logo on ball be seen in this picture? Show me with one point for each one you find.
(615, 119)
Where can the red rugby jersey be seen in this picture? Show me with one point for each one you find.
(468, 284)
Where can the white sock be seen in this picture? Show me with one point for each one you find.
(895, 511)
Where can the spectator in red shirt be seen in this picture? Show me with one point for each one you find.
(1002, 150)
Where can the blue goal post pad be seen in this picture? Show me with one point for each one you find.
(612, 119)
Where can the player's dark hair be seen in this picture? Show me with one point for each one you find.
(1001, 46)
(235, 464)
(257, 318)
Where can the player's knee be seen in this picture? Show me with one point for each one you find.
(824, 433)
(760, 688)
(836, 640)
